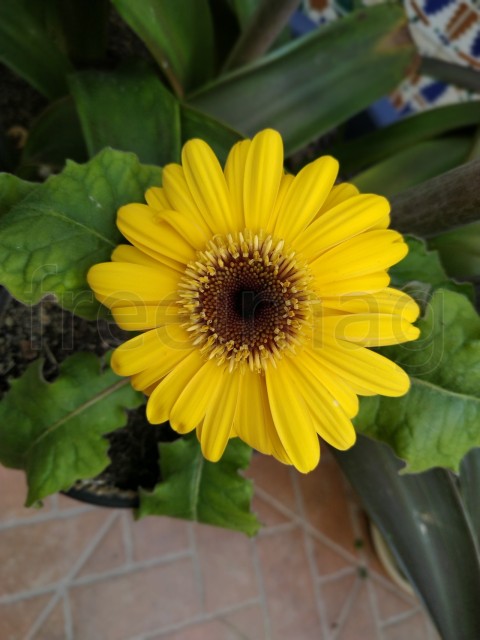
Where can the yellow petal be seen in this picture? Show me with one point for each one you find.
(186, 227)
(263, 174)
(368, 283)
(391, 301)
(346, 220)
(369, 329)
(207, 185)
(128, 253)
(292, 418)
(235, 178)
(136, 317)
(178, 194)
(368, 252)
(284, 188)
(149, 349)
(120, 282)
(337, 195)
(156, 198)
(331, 421)
(192, 404)
(218, 422)
(361, 367)
(306, 195)
(166, 393)
(146, 229)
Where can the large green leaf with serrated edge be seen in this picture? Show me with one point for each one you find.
(194, 489)
(438, 421)
(421, 272)
(51, 238)
(313, 84)
(13, 190)
(54, 430)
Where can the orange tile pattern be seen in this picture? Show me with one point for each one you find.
(70, 571)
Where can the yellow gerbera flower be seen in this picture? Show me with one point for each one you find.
(258, 293)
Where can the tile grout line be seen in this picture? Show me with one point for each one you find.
(401, 617)
(308, 547)
(127, 538)
(67, 614)
(198, 619)
(338, 575)
(267, 624)
(46, 517)
(346, 608)
(43, 615)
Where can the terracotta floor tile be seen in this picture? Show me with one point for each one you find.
(155, 537)
(360, 623)
(273, 477)
(226, 566)
(13, 492)
(40, 554)
(245, 624)
(413, 628)
(268, 515)
(212, 630)
(17, 618)
(325, 501)
(328, 560)
(289, 588)
(54, 626)
(336, 595)
(391, 601)
(109, 553)
(139, 602)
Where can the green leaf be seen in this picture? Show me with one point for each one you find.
(179, 36)
(195, 489)
(313, 84)
(13, 190)
(77, 18)
(423, 520)
(469, 484)
(57, 232)
(54, 430)
(383, 143)
(460, 250)
(27, 48)
(45, 148)
(414, 165)
(438, 421)
(421, 272)
(199, 125)
(130, 110)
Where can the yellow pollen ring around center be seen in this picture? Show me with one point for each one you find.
(245, 300)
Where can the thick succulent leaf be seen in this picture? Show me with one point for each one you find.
(422, 519)
(199, 125)
(179, 36)
(13, 190)
(315, 83)
(438, 421)
(53, 236)
(460, 250)
(414, 165)
(388, 141)
(45, 149)
(469, 486)
(27, 48)
(194, 489)
(129, 109)
(421, 272)
(54, 430)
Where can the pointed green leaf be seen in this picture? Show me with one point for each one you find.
(388, 141)
(27, 48)
(423, 520)
(313, 84)
(128, 109)
(13, 190)
(414, 165)
(179, 36)
(469, 486)
(56, 233)
(195, 489)
(54, 430)
(438, 421)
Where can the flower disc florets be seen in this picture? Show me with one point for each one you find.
(246, 299)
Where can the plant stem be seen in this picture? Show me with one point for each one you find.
(445, 202)
(261, 31)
